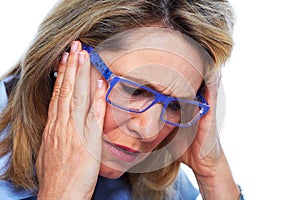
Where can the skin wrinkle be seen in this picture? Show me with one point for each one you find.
(155, 70)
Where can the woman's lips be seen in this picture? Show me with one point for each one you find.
(126, 148)
(122, 152)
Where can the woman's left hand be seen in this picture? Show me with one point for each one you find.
(206, 157)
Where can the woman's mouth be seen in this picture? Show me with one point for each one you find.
(122, 152)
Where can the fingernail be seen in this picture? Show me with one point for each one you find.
(74, 46)
(100, 84)
(81, 58)
(64, 58)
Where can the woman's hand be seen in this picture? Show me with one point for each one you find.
(206, 157)
(68, 163)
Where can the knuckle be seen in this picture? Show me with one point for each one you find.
(60, 71)
(93, 115)
(66, 89)
(55, 93)
(79, 100)
(99, 99)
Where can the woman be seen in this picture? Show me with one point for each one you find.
(121, 89)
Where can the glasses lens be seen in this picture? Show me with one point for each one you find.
(133, 97)
(130, 96)
(181, 112)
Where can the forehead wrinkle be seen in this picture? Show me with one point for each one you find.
(181, 88)
(174, 84)
(146, 56)
(147, 66)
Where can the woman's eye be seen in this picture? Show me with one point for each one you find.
(174, 106)
(133, 90)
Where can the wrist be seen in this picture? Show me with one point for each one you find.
(217, 182)
(218, 189)
(46, 195)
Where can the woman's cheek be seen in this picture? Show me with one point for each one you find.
(165, 136)
(109, 120)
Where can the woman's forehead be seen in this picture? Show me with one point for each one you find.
(169, 73)
(157, 55)
(155, 38)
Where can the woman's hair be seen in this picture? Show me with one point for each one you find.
(209, 22)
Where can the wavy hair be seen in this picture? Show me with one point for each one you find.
(209, 22)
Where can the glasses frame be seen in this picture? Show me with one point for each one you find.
(113, 79)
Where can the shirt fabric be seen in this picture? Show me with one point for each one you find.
(108, 189)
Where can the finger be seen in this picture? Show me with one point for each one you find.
(205, 123)
(95, 117)
(208, 132)
(52, 110)
(81, 94)
(80, 99)
(212, 89)
(211, 94)
(67, 86)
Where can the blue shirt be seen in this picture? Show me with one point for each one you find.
(108, 189)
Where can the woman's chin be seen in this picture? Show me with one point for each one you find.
(110, 173)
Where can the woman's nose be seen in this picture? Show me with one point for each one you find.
(147, 125)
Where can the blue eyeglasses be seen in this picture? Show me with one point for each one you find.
(137, 98)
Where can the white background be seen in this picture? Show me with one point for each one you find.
(261, 131)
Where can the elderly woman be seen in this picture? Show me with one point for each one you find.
(111, 97)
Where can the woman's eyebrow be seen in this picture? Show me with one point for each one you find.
(141, 81)
(147, 83)
(157, 87)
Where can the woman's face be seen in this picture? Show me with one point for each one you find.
(129, 137)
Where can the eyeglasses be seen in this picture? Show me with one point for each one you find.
(133, 97)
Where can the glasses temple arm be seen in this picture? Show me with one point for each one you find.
(98, 62)
(201, 98)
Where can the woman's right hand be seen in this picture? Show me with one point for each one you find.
(69, 159)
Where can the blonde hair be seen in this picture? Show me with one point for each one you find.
(207, 22)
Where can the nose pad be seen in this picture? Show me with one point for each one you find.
(147, 125)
